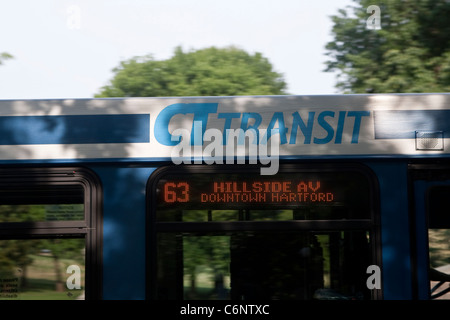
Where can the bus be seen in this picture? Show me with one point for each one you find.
(320, 197)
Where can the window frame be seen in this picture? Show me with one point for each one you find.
(90, 228)
(431, 175)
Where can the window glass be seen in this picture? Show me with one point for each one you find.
(42, 269)
(257, 265)
(39, 212)
(42, 203)
(439, 242)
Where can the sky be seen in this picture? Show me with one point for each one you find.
(68, 48)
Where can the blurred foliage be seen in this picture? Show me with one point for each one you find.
(206, 254)
(207, 72)
(18, 254)
(410, 53)
(4, 56)
(21, 213)
(439, 247)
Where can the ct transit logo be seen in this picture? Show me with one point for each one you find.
(250, 138)
(263, 144)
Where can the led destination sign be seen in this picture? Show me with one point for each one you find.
(181, 195)
(248, 191)
(222, 190)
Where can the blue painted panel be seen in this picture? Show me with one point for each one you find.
(75, 129)
(124, 238)
(395, 240)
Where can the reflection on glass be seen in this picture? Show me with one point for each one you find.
(439, 242)
(42, 203)
(42, 269)
(206, 267)
(439, 252)
(304, 213)
(41, 212)
(263, 265)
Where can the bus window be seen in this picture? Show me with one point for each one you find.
(439, 242)
(48, 235)
(302, 234)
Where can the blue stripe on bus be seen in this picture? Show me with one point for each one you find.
(402, 124)
(159, 161)
(74, 129)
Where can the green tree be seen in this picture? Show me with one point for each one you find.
(206, 72)
(409, 53)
